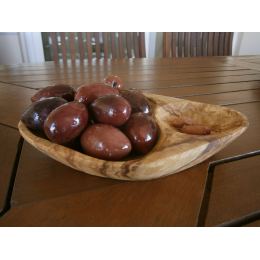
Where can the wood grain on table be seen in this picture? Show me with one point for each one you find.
(47, 193)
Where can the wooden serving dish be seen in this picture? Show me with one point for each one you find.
(174, 151)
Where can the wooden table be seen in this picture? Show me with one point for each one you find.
(38, 191)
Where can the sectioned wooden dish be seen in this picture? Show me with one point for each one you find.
(174, 151)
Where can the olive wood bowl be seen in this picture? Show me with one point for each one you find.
(173, 152)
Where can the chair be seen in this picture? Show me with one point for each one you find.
(93, 45)
(190, 44)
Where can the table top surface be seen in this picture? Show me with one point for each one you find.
(224, 190)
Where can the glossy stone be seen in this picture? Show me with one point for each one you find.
(66, 123)
(111, 109)
(142, 131)
(137, 100)
(114, 81)
(105, 142)
(59, 90)
(88, 93)
(35, 115)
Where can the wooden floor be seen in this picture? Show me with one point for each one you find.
(38, 191)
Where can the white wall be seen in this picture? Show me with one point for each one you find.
(18, 47)
(10, 51)
(246, 43)
(32, 47)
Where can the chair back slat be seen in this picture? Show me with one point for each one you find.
(97, 45)
(167, 44)
(186, 44)
(193, 44)
(204, 44)
(142, 52)
(129, 44)
(175, 44)
(198, 44)
(210, 43)
(121, 45)
(113, 45)
(63, 46)
(228, 43)
(54, 45)
(105, 44)
(216, 43)
(180, 44)
(190, 44)
(72, 46)
(136, 44)
(221, 44)
(89, 45)
(81, 46)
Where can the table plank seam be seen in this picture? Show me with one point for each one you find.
(240, 103)
(137, 81)
(167, 87)
(197, 65)
(109, 71)
(7, 204)
(119, 69)
(242, 221)
(200, 85)
(214, 93)
(10, 126)
(171, 86)
(17, 85)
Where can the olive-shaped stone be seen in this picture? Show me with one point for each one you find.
(60, 90)
(111, 109)
(142, 131)
(35, 115)
(66, 123)
(114, 81)
(88, 93)
(137, 100)
(105, 142)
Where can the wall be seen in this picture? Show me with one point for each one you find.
(18, 47)
(10, 50)
(246, 43)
